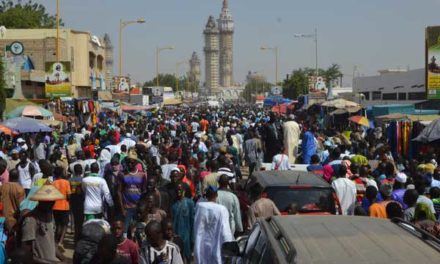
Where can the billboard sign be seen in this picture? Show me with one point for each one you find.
(276, 90)
(432, 58)
(121, 84)
(157, 91)
(57, 79)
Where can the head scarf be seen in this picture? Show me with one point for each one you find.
(182, 167)
(105, 155)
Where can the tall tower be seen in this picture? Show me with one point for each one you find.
(211, 57)
(194, 70)
(108, 61)
(226, 30)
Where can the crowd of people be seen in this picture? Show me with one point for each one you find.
(162, 187)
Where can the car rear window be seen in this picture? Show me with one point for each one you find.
(308, 199)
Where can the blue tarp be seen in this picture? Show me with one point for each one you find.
(275, 100)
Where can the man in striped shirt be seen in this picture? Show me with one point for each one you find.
(159, 250)
(131, 186)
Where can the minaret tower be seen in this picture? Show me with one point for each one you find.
(211, 57)
(194, 70)
(226, 30)
(108, 61)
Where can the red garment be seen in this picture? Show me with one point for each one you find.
(182, 167)
(361, 188)
(191, 185)
(204, 125)
(328, 173)
(178, 151)
(91, 149)
(129, 250)
(91, 107)
(117, 136)
(187, 181)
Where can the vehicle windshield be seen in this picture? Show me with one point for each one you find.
(307, 200)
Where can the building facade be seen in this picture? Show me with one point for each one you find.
(86, 53)
(211, 57)
(391, 86)
(226, 33)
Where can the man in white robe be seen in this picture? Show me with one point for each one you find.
(291, 132)
(211, 229)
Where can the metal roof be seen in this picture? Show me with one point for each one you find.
(287, 178)
(348, 239)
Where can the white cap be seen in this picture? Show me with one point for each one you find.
(20, 140)
(401, 177)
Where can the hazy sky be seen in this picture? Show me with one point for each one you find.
(373, 34)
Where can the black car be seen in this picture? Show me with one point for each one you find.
(310, 193)
(333, 239)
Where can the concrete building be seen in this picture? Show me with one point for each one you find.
(211, 57)
(226, 30)
(87, 54)
(194, 69)
(391, 86)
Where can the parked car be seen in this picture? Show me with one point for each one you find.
(312, 194)
(333, 239)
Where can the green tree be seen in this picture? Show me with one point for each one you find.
(166, 80)
(2, 89)
(332, 73)
(255, 87)
(297, 84)
(15, 14)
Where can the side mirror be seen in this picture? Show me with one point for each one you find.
(230, 249)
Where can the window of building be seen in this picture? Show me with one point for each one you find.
(366, 95)
(377, 96)
(389, 96)
(402, 96)
(92, 59)
(100, 62)
(417, 96)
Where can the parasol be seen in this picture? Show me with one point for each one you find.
(26, 125)
(29, 110)
(340, 103)
(360, 120)
(5, 130)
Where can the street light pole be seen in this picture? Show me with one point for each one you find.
(314, 36)
(316, 54)
(275, 50)
(158, 50)
(122, 25)
(58, 31)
